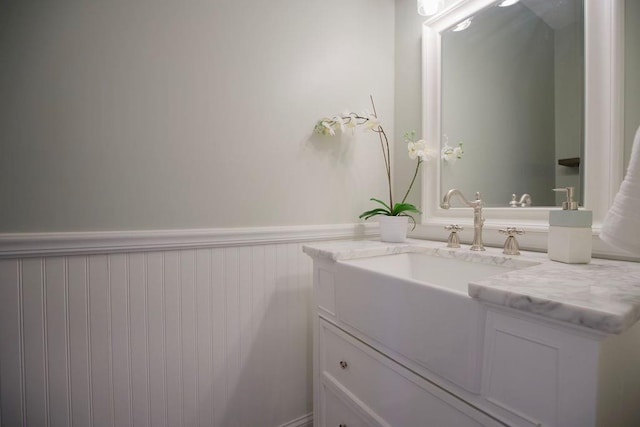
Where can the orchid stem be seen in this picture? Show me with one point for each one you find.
(386, 153)
(415, 174)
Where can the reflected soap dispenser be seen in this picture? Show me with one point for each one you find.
(570, 232)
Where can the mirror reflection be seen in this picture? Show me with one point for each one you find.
(513, 94)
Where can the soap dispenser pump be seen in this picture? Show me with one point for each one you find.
(569, 204)
(570, 232)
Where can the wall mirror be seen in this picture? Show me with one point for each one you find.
(512, 91)
(524, 87)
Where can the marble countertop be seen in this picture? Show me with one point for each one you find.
(603, 295)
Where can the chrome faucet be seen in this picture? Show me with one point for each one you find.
(478, 220)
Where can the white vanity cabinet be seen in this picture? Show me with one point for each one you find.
(357, 384)
(533, 371)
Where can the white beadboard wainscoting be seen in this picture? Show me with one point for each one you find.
(196, 336)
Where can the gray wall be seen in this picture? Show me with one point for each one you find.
(408, 93)
(162, 115)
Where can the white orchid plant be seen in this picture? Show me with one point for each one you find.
(420, 151)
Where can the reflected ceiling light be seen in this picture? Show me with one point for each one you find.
(428, 7)
(463, 25)
(507, 3)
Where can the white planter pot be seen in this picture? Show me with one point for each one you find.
(393, 229)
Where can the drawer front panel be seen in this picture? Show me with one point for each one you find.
(396, 395)
(336, 412)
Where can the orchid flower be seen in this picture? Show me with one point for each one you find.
(416, 149)
(423, 150)
(352, 121)
(340, 122)
(328, 128)
(372, 122)
(451, 154)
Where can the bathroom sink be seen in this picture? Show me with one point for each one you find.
(417, 306)
(453, 273)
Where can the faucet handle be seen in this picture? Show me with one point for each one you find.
(454, 240)
(511, 246)
(511, 231)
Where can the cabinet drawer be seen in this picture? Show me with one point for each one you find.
(393, 393)
(337, 412)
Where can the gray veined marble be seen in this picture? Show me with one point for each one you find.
(603, 295)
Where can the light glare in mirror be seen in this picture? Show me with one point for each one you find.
(463, 25)
(507, 3)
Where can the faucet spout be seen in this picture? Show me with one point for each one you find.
(525, 200)
(478, 219)
(446, 201)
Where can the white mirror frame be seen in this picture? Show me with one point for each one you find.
(604, 106)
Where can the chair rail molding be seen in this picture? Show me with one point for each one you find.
(20, 245)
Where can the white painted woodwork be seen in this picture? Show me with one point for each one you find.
(13, 245)
(326, 291)
(385, 389)
(534, 371)
(546, 375)
(303, 421)
(340, 411)
(557, 376)
(210, 336)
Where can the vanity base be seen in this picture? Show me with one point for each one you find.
(534, 371)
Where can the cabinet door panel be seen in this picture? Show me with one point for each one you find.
(524, 377)
(540, 373)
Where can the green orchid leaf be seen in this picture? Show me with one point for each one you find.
(400, 208)
(373, 199)
(374, 212)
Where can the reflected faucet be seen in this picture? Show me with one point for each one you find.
(478, 220)
(525, 201)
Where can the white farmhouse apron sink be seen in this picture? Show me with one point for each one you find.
(417, 305)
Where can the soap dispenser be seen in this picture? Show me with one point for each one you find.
(570, 232)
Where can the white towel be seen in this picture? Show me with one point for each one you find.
(621, 226)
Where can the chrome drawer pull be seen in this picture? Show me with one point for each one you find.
(343, 365)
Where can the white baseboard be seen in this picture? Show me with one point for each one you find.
(303, 421)
(18, 245)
